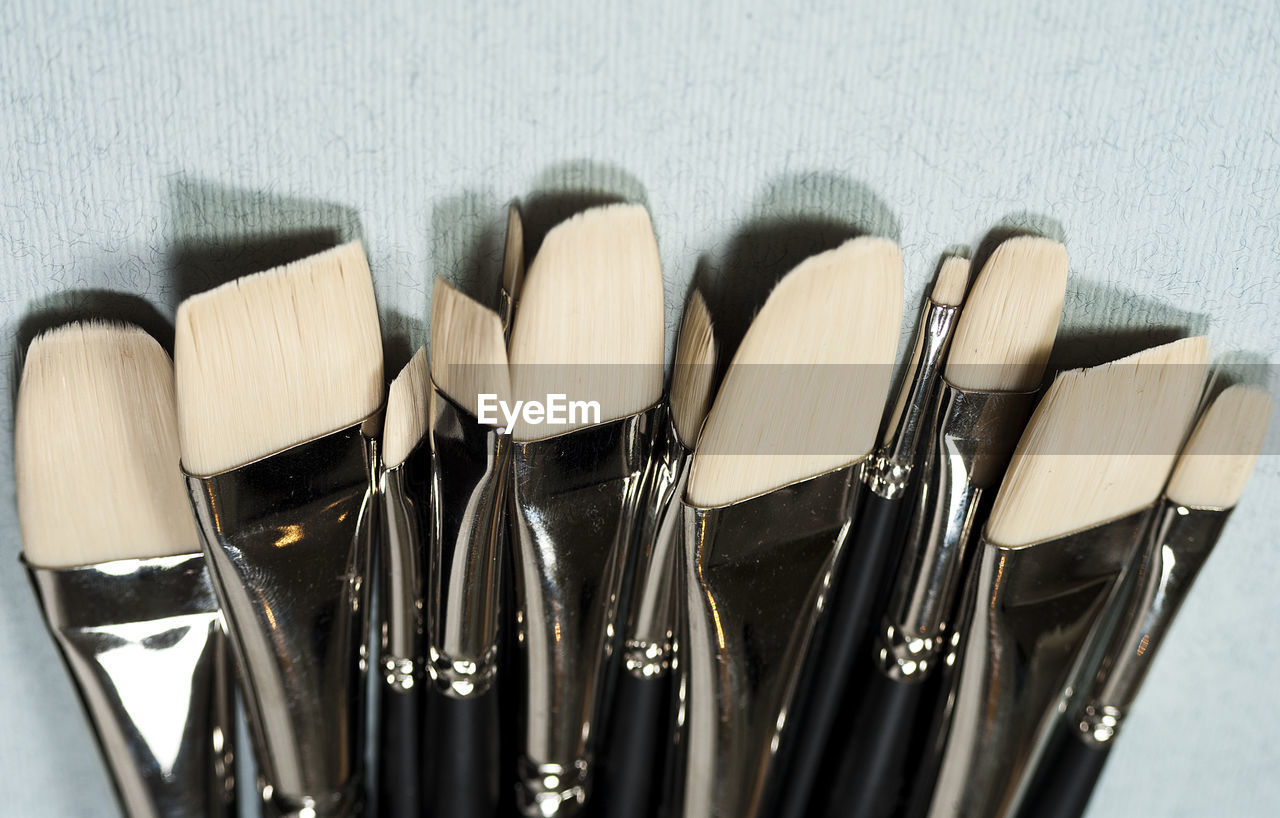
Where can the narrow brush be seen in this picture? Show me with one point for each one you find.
(114, 557)
(512, 267)
(769, 504)
(1207, 483)
(589, 331)
(1065, 523)
(279, 385)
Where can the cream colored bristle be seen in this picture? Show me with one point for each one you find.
(1220, 456)
(590, 324)
(277, 358)
(807, 386)
(513, 253)
(1006, 329)
(1100, 445)
(406, 419)
(694, 371)
(96, 450)
(952, 281)
(468, 353)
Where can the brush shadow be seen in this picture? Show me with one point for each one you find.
(468, 235)
(568, 188)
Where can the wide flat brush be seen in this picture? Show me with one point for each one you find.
(589, 330)
(279, 385)
(113, 553)
(1065, 523)
(1207, 483)
(770, 501)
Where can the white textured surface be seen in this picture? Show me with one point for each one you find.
(140, 148)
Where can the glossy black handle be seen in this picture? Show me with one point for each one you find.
(462, 749)
(1067, 774)
(630, 782)
(399, 765)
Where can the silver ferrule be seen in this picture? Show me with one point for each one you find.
(756, 574)
(1182, 539)
(145, 645)
(577, 500)
(288, 539)
(648, 649)
(889, 472)
(404, 523)
(969, 447)
(1028, 613)
(468, 484)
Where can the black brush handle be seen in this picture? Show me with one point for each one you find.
(462, 743)
(632, 765)
(856, 589)
(399, 765)
(872, 773)
(1068, 772)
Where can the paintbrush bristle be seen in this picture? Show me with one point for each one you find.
(405, 423)
(96, 450)
(468, 353)
(1005, 333)
(694, 371)
(1220, 456)
(590, 323)
(807, 386)
(952, 282)
(277, 358)
(513, 253)
(1100, 445)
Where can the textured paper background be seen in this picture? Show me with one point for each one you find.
(147, 153)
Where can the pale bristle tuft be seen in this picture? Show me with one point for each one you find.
(807, 386)
(952, 281)
(468, 353)
(694, 371)
(1215, 466)
(277, 358)
(1006, 330)
(590, 323)
(1100, 445)
(513, 253)
(406, 418)
(96, 450)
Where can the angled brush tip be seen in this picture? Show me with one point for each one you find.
(468, 352)
(694, 372)
(952, 281)
(405, 423)
(1222, 451)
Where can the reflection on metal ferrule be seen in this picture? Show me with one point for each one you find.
(576, 500)
(288, 539)
(145, 644)
(463, 678)
(404, 522)
(755, 573)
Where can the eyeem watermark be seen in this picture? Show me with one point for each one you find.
(558, 410)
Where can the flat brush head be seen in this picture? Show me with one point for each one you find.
(1100, 445)
(691, 380)
(590, 323)
(96, 450)
(1220, 456)
(952, 281)
(277, 358)
(807, 386)
(405, 423)
(468, 352)
(1005, 333)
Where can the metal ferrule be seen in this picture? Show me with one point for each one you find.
(756, 574)
(145, 645)
(403, 492)
(969, 448)
(650, 635)
(1029, 611)
(888, 473)
(468, 481)
(288, 539)
(1181, 541)
(577, 500)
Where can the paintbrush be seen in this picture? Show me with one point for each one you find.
(1001, 346)
(1066, 521)
(857, 577)
(114, 557)
(469, 472)
(633, 758)
(588, 337)
(512, 267)
(1207, 483)
(769, 505)
(279, 384)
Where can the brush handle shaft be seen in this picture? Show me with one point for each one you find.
(631, 782)
(1069, 770)
(400, 754)
(871, 776)
(462, 749)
